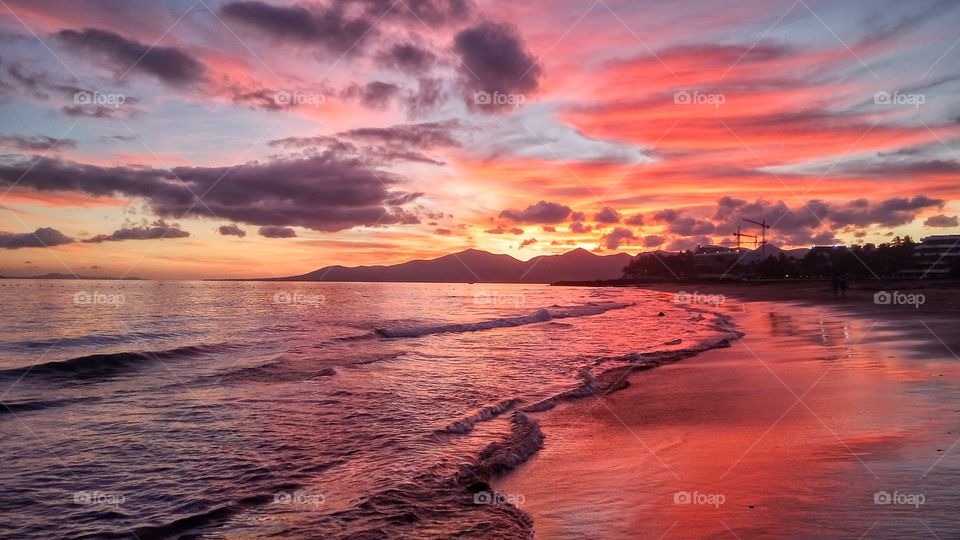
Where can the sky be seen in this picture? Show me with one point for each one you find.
(245, 138)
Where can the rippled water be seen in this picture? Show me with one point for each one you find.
(330, 409)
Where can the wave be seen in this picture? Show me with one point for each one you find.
(604, 384)
(96, 366)
(277, 370)
(89, 340)
(525, 439)
(464, 426)
(539, 316)
(614, 379)
(18, 407)
(192, 523)
(452, 502)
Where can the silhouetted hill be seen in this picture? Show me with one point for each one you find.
(55, 275)
(478, 266)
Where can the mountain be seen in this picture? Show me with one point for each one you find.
(55, 275)
(478, 266)
(769, 250)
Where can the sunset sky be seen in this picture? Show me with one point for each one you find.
(206, 138)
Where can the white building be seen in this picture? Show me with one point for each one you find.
(935, 256)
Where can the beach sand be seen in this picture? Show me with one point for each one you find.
(796, 430)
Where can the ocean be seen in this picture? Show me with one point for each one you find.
(249, 409)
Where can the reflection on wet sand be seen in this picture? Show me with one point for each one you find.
(803, 428)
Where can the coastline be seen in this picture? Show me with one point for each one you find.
(796, 426)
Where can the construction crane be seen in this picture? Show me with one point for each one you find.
(739, 234)
(763, 229)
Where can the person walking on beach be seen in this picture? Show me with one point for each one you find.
(839, 285)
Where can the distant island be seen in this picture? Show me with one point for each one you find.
(55, 275)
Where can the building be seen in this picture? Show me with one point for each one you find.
(935, 257)
(717, 262)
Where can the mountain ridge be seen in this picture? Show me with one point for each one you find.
(477, 266)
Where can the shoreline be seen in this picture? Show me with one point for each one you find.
(611, 468)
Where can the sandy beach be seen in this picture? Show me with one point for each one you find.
(822, 421)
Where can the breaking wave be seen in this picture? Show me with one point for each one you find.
(539, 316)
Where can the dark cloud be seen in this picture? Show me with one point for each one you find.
(425, 135)
(653, 240)
(802, 224)
(542, 212)
(42, 237)
(578, 216)
(403, 142)
(325, 191)
(680, 223)
(618, 236)
(154, 231)
(429, 12)
(549, 228)
(527, 242)
(100, 111)
(324, 142)
(443, 232)
(77, 102)
(689, 242)
(687, 225)
(579, 228)
(260, 98)
(374, 95)
(824, 238)
(430, 92)
(895, 168)
(407, 57)
(667, 215)
(232, 230)
(889, 213)
(254, 96)
(119, 138)
(637, 219)
(942, 221)
(329, 27)
(726, 206)
(277, 232)
(35, 143)
(37, 83)
(501, 229)
(169, 64)
(494, 59)
(607, 215)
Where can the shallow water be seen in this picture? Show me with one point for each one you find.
(327, 409)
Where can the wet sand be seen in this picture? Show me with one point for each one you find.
(794, 431)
